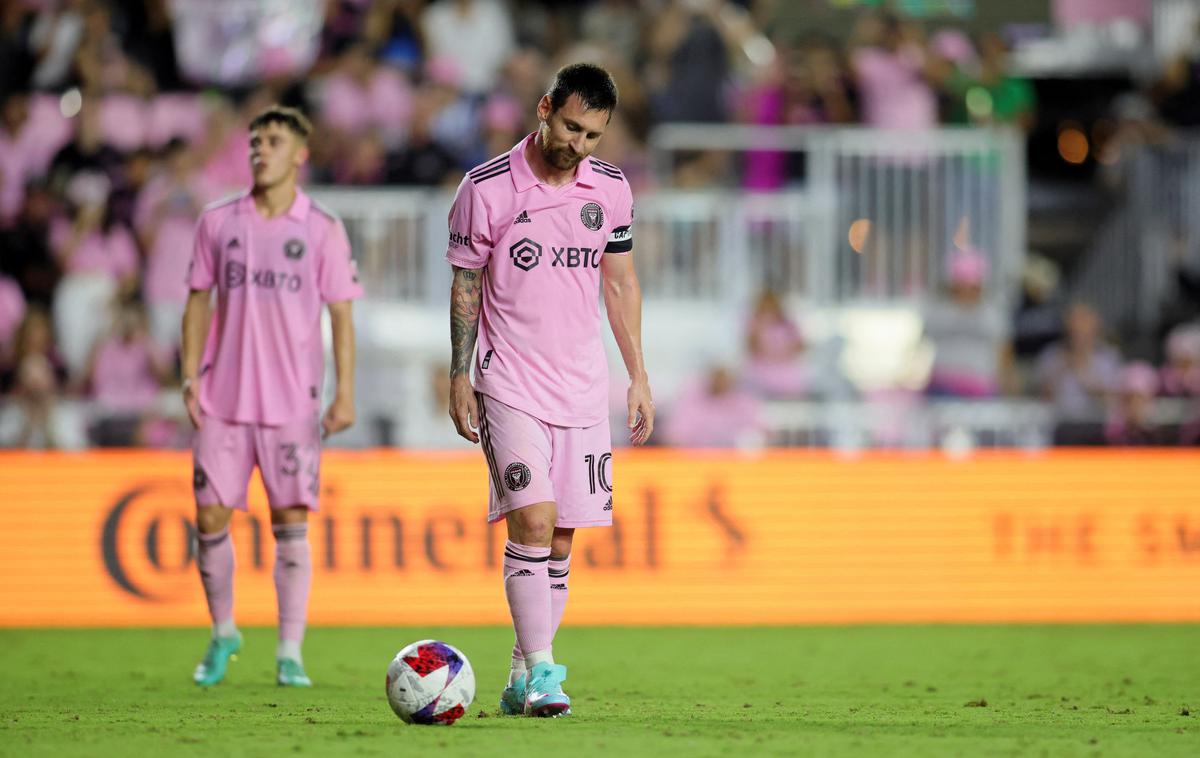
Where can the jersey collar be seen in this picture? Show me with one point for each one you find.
(298, 212)
(523, 177)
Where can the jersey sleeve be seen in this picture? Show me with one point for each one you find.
(202, 273)
(470, 244)
(338, 273)
(620, 239)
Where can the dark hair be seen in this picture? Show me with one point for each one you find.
(594, 86)
(293, 119)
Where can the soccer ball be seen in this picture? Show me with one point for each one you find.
(430, 682)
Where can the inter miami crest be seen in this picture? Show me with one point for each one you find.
(525, 254)
(592, 216)
(517, 476)
(294, 249)
(235, 274)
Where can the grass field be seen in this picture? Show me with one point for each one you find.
(943, 690)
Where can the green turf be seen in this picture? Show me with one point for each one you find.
(1059, 691)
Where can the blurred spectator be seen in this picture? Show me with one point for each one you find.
(165, 220)
(1181, 375)
(893, 73)
(12, 313)
(365, 96)
(1130, 421)
(99, 258)
(125, 373)
(16, 25)
(25, 247)
(89, 151)
(972, 356)
(423, 160)
(1040, 310)
(55, 37)
(776, 349)
(393, 27)
(993, 95)
(1079, 374)
(1177, 93)
(687, 69)
(31, 132)
(715, 413)
(36, 379)
(476, 34)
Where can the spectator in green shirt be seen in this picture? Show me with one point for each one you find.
(992, 96)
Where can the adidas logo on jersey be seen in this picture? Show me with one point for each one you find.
(522, 572)
(233, 243)
(523, 218)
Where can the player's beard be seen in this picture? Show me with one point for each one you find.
(560, 157)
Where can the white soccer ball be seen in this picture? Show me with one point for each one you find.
(430, 682)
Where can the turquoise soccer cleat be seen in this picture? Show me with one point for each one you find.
(544, 696)
(512, 700)
(211, 668)
(290, 673)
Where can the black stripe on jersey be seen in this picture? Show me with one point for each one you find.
(609, 174)
(604, 163)
(483, 169)
(502, 170)
(485, 438)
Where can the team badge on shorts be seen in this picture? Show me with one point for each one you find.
(294, 249)
(517, 476)
(199, 478)
(592, 216)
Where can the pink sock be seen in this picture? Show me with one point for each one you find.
(558, 571)
(293, 577)
(527, 585)
(215, 560)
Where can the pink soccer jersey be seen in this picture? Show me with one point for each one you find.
(264, 360)
(540, 347)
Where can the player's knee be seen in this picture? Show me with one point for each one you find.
(560, 543)
(211, 519)
(294, 515)
(535, 528)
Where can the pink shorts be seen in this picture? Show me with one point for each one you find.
(224, 454)
(530, 461)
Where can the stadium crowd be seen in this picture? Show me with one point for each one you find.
(114, 133)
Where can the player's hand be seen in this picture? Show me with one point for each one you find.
(339, 416)
(191, 401)
(641, 412)
(464, 408)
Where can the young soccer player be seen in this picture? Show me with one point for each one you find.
(253, 370)
(533, 235)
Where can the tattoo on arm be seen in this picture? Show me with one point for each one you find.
(465, 298)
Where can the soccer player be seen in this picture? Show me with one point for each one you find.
(253, 371)
(533, 234)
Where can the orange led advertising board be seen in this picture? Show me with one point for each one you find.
(104, 539)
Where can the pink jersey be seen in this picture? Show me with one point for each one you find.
(264, 360)
(540, 348)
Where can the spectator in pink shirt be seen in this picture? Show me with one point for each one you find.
(29, 137)
(1181, 375)
(1130, 420)
(165, 219)
(715, 413)
(125, 374)
(364, 96)
(893, 72)
(776, 348)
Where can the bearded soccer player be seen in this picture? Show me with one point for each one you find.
(535, 235)
(253, 370)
